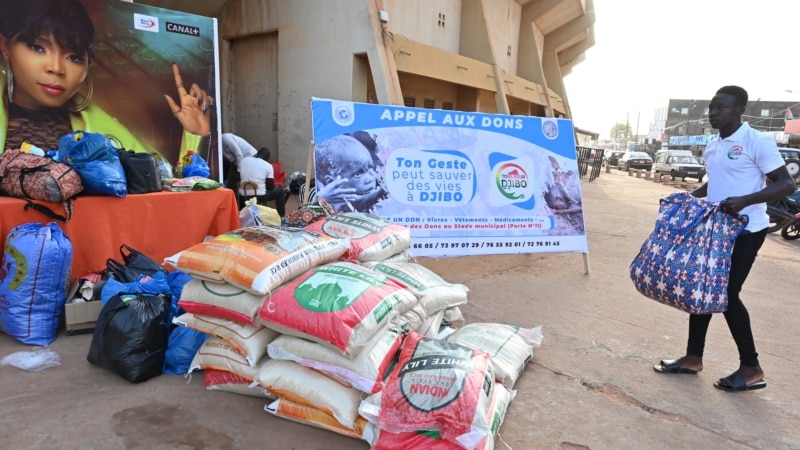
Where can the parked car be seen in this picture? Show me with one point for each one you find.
(613, 158)
(635, 160)
(679, 164)
(792, 158)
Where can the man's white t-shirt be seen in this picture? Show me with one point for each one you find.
(255, 170)
(737, 165)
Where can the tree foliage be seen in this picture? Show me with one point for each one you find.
(620, 130)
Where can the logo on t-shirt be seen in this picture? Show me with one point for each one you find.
(735, 152)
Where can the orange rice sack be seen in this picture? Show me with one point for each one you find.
(258, 259)
(371, 237)
(309, 415)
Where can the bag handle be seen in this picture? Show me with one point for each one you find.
(132, 253)
(696, 220)
(49, 212)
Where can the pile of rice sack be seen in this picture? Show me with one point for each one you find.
(340, 329)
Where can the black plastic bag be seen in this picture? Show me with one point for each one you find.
(131, 335)
(135, 265)
(139, 262)
(141, 172)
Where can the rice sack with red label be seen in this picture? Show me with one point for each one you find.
(258, 259)
(431, 440)
(436, 386)
(222, 300)
(371, 237)
(341, 305)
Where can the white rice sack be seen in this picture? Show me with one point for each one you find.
(430, 327)
(453, 317)
(249, 340)
(385, 440)
(341, 305)
(222, 300)
(435, 294)
(509, 347)
(411, 320)
(291, 381)
(258, 259)
(218, 354)
(371, 237)
(404, 256)
(363, 372)
(436, 386)
(222, 380)
(308, 415)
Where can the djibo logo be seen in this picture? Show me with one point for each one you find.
(512, 181)
(735, 152)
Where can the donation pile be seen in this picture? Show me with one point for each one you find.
(340, 329)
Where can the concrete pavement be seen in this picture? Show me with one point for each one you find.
(590, 385)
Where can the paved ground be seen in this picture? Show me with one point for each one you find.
(591, 384)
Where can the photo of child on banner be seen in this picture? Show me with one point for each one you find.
(347, 172)
(108, 67)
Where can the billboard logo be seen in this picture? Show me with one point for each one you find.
(512, 181)
(183, 29)
(145, 23)
(343, 113)
(550, 129)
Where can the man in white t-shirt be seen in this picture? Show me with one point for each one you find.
(257, 169)
(745, 170)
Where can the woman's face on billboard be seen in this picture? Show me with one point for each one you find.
(45, 74)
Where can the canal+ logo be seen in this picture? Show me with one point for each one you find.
(145, 23)
(512, 181)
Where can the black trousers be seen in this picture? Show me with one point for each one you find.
(744, 254)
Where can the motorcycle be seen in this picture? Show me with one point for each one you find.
(791, 230)
(782, 212)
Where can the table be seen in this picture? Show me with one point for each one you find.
(158, 224)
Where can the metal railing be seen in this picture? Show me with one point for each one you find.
(590, 161)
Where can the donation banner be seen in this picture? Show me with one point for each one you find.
(465, 183)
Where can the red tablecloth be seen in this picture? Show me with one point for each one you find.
(158, 224)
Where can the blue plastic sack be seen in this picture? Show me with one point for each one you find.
(197, 168)
(184, 342)
(155, 284)
(96, 160)
(34, 279)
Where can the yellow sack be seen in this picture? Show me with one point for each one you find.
(254, 214)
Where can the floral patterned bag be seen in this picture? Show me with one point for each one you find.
(686, 261)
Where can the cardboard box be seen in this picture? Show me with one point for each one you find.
(81, 317)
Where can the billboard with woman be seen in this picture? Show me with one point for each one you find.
(145, 77)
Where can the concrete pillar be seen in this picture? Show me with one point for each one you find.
(647, 174)
(657, 177)
(630, 172)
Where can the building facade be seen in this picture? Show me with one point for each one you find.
(683, 123)
(492, 56)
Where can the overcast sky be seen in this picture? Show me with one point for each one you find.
(646, 51)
